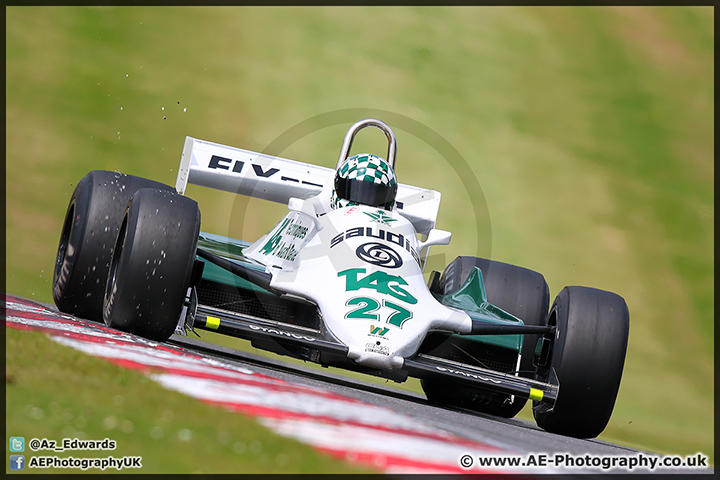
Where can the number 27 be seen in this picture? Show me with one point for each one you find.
(366, 307)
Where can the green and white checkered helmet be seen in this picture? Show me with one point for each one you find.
(364, 179)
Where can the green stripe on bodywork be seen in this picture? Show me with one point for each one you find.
(471, 298)
(230, 249)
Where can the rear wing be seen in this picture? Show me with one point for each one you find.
(278, 179)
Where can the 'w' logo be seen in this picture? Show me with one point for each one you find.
(377, 330)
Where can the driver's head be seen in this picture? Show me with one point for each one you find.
(364, 179)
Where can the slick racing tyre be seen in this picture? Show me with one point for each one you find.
(587, 354)
(152, 263)
(91, 224)
(519, 291)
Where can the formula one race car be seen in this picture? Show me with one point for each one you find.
(339, 281)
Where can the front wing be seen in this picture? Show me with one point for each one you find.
(310, 345)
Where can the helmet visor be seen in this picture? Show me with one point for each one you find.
(366, 193)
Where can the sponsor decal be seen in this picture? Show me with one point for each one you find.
(279, 244)
(297, 231)
(281, 332)
(380, 217)
(373, 347)
(236, 166)
(466, 374)
(391, 237)
(378, 254)
(378, 331)
(286, 252)
(379, 281)
(274, 240)
(351, 210)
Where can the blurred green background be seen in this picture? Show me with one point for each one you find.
(588, 129)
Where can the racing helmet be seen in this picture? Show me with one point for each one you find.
(364, 179)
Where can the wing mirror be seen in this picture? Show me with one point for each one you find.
(436, 237)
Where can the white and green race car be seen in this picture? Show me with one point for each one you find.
(340, 282)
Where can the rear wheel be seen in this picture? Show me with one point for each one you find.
(152, 264)
(91, 224)
(519, 291)
(588, 355)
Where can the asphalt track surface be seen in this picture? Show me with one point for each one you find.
(515, 435)
(407, 417)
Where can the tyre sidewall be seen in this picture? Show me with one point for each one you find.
(588, 355)
(152, 266)
(90, 228)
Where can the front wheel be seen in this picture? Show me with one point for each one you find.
(519, 291)
(152, 264)
(588, 354)
(89, 231)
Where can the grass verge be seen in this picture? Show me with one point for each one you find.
(56, 392)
